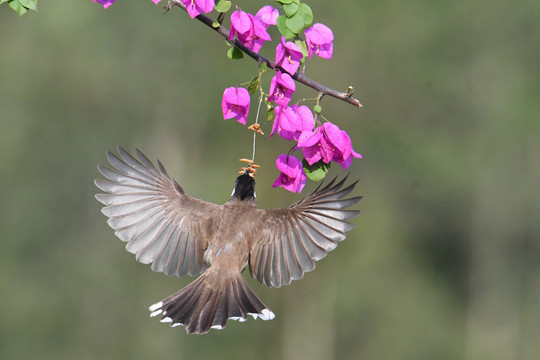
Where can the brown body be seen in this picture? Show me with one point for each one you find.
(229, 247)
(182, 236)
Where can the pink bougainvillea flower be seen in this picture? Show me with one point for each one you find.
(235, 104)
(105, 3)
(267, 15)
(196, 7)
(327, 143)
(249, 30)
(319, 40)
(155, 1)
(290, 122)
(288, 56)
(285, 122)
(291, 175)
(305, 120)
(345, 158)
(282, 88)
(311, 143)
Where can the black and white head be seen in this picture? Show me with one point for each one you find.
(244, 188)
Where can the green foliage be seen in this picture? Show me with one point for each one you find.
(317, 171)
(253, 85)
(303, 48)
(21, 6)
(291, 9)
(263, 68)
(298, 16)
(269, 111)
(222, 6)
(307, 15)
(295, 23)
(283, 29)
(234, 53)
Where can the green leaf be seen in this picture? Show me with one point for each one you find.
(269, 114)
(235, 53)
(253, 85)
(317, 109)
(16, 5)
(263, 68)
(317, 171)
(3, 1)
(215, 24)
(283, 28)
(223, 6)
(295, 24)
(284, 2)
(290, 9)
(29, 4)
(307, 15)
(302, 46)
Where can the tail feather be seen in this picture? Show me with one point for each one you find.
(209, 301)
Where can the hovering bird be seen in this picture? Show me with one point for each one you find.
(181, 235)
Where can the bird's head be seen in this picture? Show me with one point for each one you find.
(244, 188)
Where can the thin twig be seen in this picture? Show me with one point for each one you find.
(256, 122)
(323, 89)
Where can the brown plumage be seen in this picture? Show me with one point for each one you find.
(181, 235)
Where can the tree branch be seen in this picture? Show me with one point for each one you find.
(301, 78)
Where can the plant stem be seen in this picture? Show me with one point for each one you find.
(301, 78)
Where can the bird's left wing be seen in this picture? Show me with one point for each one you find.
(147, 209)
(286, 243)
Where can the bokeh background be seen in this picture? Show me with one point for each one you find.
(443, 263)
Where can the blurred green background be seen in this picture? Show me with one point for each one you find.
(443, 263)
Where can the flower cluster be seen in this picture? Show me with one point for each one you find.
(250, 30)
(320, 143)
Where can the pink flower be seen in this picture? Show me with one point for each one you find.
(285, 122)
(312, 145)
(290, 122)
(267, 15)
(345, 158)
(105, 3)
(327, 143)
(196, 7)
(319, 39)
(288, 56)
(249, 30)
(305, 119)
(235, 104)
(282, 88)
(292, 175)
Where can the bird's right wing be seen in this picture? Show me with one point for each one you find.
(147, 209)
(286, 242)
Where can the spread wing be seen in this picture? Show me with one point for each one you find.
(152, 213)
(289, 241)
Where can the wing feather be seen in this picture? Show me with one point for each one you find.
(149, 210)
(287, 242)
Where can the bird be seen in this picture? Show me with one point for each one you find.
(182, 235)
